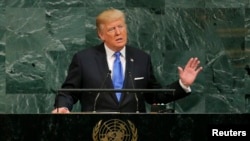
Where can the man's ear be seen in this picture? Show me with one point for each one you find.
(100, 35)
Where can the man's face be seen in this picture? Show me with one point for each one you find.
(114, 34)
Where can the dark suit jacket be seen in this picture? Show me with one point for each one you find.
(89, 69)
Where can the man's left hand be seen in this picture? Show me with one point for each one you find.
(189, 73)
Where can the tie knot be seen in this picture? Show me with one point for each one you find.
(117, 54)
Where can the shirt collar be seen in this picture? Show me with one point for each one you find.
(110, 52)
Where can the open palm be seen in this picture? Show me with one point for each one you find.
(189, 73)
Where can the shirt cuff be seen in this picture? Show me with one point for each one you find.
(186, 89)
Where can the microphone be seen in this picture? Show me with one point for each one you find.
(136, 98)
(97, 96)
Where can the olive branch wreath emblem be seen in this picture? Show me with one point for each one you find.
(132, 129)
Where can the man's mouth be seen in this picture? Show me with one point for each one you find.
(119, 39)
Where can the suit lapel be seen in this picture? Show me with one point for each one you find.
(129, 68)
(128, 71)
(102, 63)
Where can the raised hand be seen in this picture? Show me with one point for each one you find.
(189, 73)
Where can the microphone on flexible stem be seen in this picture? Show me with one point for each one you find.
(97, 96)
(136, 98)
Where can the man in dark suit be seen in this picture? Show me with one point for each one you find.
(95, 68)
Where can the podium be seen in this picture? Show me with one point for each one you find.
(89, 126)
(156, 107)
(133, 127)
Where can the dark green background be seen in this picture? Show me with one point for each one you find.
(38, 38)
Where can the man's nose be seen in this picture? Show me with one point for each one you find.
(117, 30)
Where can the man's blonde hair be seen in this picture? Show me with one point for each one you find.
(107, 16)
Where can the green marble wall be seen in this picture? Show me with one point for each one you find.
(38, 38)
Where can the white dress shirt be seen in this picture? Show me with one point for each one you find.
(111, 59)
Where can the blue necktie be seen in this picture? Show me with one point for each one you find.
(117, 74)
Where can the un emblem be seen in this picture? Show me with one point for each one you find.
(114, 130)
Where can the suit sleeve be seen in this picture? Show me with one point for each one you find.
(72, 81)
(166, 97)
